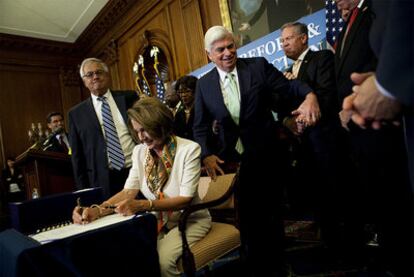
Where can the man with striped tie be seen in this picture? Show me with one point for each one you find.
(98, 133)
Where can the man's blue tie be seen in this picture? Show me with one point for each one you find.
(115, 153)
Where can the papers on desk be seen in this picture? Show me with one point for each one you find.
(75, 229)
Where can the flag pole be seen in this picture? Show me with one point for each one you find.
(158, 81)
(135, 69)
(144, 79)
(154, 53)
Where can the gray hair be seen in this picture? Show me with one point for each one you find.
(95, 60)
(299, 27)
(214, 34)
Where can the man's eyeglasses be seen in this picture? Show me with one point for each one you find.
(90, 74)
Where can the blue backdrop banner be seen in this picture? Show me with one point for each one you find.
(270, 46)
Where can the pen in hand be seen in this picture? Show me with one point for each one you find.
(80, 210)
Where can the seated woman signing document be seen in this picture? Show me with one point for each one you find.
(166, 169)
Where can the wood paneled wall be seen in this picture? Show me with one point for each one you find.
(33, 82)
(28, 94)
(176, 26)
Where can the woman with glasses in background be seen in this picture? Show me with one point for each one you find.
(183, 122)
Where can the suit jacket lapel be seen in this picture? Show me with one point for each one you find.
(215, 90)
(244, 83)
(338, 59)
(94, 118)
(304, 65)
(120, 102)
(352, 33)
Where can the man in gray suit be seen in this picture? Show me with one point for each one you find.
(91, 157)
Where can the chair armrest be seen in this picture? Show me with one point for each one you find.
(188, 257)
(196, 207)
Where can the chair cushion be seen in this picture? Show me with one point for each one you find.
(220, 240)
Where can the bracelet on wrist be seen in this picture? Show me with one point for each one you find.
(151, 205)
(99, 209)
(107, 205)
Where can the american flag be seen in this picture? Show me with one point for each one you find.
(334, 23)
(145, 88)
(160, 88)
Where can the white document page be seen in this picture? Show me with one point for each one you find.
(74, 229)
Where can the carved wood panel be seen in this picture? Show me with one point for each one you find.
(38, 76)
(27, 95)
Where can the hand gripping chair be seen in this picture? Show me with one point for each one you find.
(222, 238)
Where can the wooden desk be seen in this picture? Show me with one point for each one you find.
(128, 248)
(48, 172)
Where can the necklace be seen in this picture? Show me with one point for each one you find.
(187, 114)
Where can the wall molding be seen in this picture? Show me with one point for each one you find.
(70, 76)
(104, 21)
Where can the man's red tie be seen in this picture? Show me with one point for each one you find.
(351, 19)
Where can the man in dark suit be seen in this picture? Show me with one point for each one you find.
(320, 152)
(239, 95)
(92, 162)
(394, 89)
(379, 155)
(352, 51)
(58, 140)
(382, 98)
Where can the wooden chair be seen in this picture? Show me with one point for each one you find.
(223, 238)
